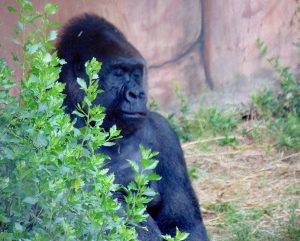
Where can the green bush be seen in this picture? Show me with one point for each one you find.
(281, 110)
(53, 185)
(204, 122)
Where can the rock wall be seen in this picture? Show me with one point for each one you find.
(209, 46)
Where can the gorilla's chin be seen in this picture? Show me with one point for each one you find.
(131, 121)
(127, 122)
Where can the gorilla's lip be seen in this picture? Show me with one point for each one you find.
(134, 114)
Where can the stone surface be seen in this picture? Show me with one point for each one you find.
(209, 46)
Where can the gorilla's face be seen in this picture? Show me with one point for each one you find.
(124, 96)
(122, 76)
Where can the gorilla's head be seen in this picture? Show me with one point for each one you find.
(122, 76)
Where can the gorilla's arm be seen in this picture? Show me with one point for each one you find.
(179, 206)
(152, 233)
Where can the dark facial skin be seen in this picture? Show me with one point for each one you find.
(123, 79)
(124, 97)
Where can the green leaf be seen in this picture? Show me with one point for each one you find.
(87, 101)
(180, 236)
(153, 177)
(113, 132)
(133, 166)
(62, 61)
(54, 24)
(52, 35)
(4, 219)
(11, 9)
(41, 140)
(50, 8)
(30, 200)
(149, 192)
(15, 57)
(82, 83)
(167, 237)
(21, 25)
(47, 59)
(4, 182)
(8, 85)
(33, 78)
(16, 41)
(8, 153)
(27, 6)
(75, 112)
(149, 164)
(132, 186)
(33, 48)
(18, 227)
(109, 144)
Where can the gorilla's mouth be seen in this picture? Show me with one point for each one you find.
(133, 114)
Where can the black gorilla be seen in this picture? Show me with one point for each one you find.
(123, 79)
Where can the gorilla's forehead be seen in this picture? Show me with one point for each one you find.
(128, 61)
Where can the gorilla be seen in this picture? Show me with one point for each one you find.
(123, 79)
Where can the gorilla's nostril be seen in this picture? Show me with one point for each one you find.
(142, 95)
(132, 95)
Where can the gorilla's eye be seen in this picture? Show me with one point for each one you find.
(118, 72)
(137, 73)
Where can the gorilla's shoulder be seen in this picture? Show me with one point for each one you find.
(158, 120)
(162, 128)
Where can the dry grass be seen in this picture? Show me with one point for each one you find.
(248, 175)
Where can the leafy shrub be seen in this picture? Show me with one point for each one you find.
(178, 237)
(53, 183)
(212, 121)
(180, 121)
(281, 110)
(292, 228)
(204, 122)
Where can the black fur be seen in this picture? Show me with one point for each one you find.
(123, 79)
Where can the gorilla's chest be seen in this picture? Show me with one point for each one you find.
(119, 156)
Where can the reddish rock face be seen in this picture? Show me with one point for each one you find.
(209, 46)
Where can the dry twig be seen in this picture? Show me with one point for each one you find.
(285, 158)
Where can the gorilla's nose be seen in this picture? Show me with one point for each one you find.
(134, 94)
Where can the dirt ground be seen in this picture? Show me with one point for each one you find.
(247, 175)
